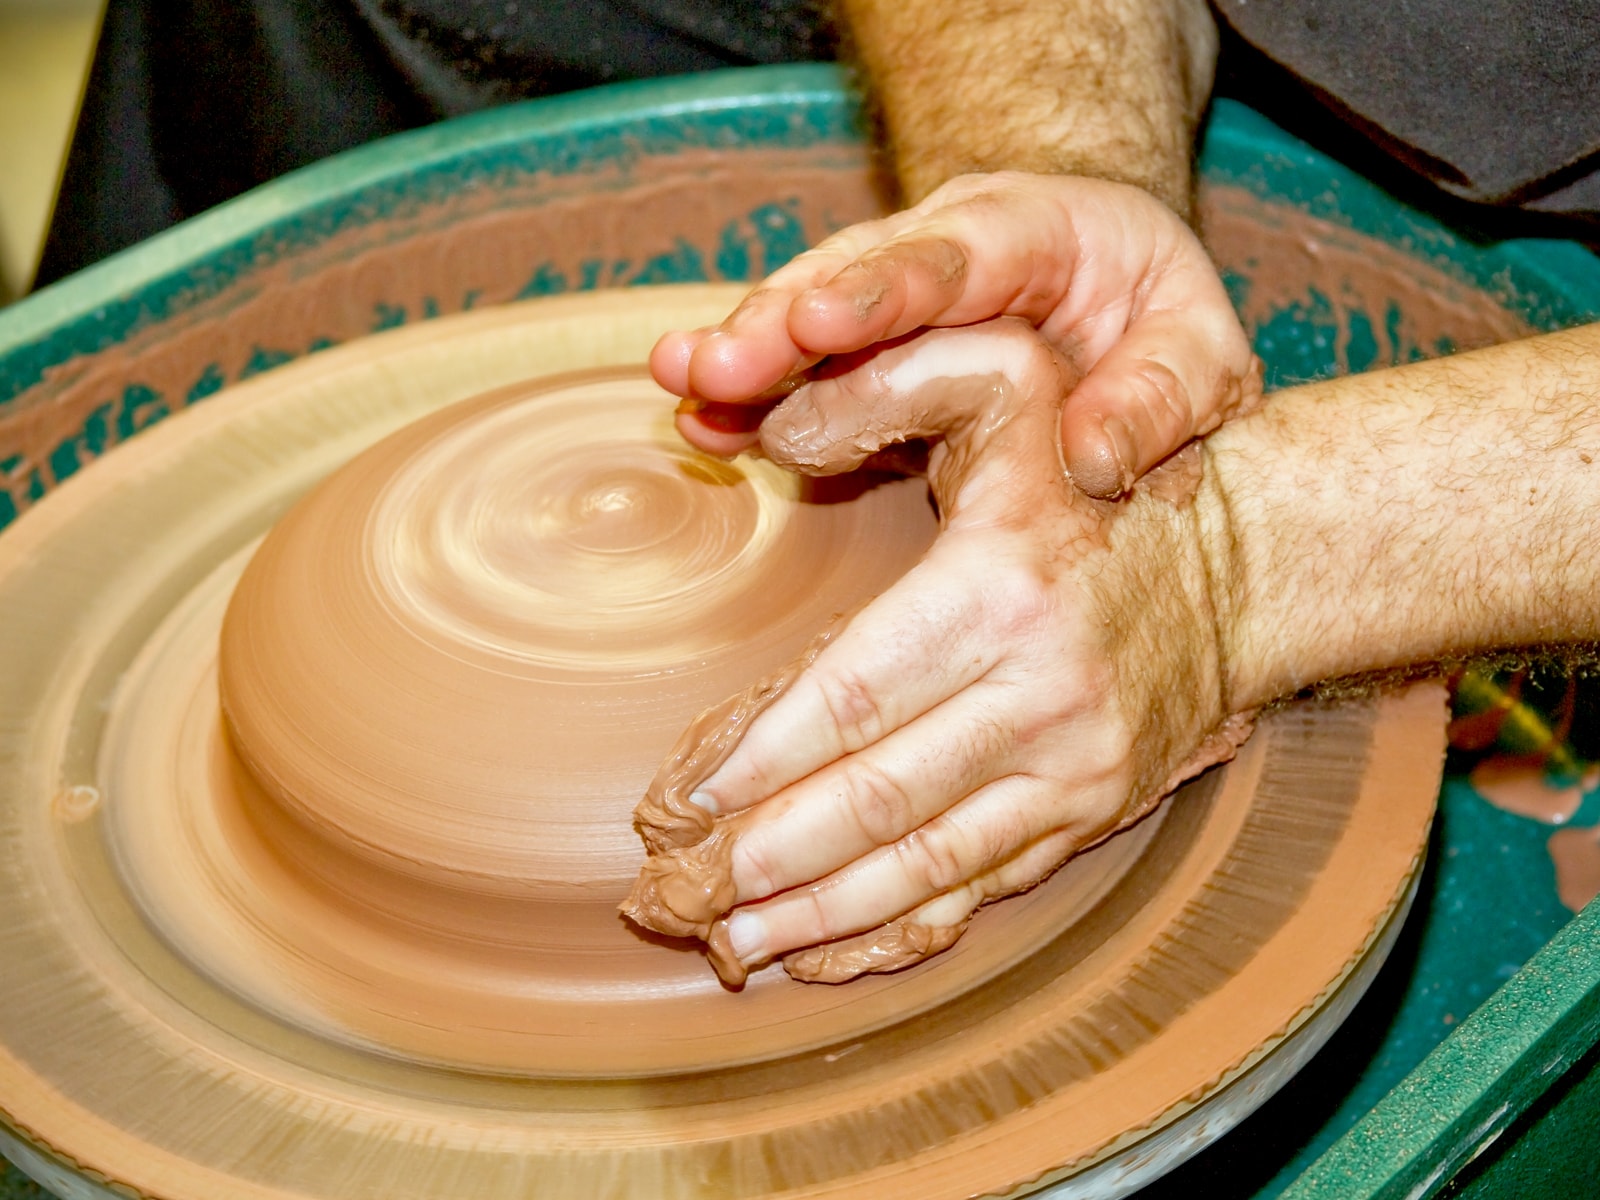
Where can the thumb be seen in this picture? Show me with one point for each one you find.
(962, 386)
(1168, 380)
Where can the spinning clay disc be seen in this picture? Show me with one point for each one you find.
(332, 913)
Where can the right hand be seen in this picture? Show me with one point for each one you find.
(1109, 276)
(1046, 673)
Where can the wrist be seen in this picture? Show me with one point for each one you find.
(1218, 567)
(1428, 513)
(1109, 89)
(1173, 620)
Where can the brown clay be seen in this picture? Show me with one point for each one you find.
(452, 665)
(1575, 854)
(891, 947)
(237, 995)
(1291, 260)
(1521, 788)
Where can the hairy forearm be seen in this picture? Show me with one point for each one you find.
(1432, 512)
(1106, 88)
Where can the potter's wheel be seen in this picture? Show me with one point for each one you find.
(213, 1011)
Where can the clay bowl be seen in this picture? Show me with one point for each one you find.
(239, 994)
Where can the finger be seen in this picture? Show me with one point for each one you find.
(912, 648)
(928, 929)
(891, 290)
(714, 428)
(985, 257)
(875, 797)
(1001, 245)
(1005, 244)
(961, 846)
(751, 351)
(720, 429)
(936, 384)
(1172, 377)
(669, 358)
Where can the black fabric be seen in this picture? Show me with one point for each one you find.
(1492, 100)
(466, 54)
(112, 193)
(192, 101)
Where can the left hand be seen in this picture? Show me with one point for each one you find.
(1037, 682)
(1113, 281)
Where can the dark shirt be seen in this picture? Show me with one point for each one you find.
(191, 102)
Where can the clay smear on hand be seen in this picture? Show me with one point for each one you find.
(891, 947)
(687, 882)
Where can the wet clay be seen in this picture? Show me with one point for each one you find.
(1378, 305)
(214, 976)
(1523, 788)
(494, 619)
(894, 947)
(1576, 856)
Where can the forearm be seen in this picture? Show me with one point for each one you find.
(1431, 512)
(1106, 88)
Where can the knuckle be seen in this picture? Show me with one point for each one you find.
(932, 855)
(810, 920)
(1161, 395)
(853, 708)
(755, 304)
(1031, 866)
(880, 805)
(1115, 744)
(1022, 602)
(989, 740)
(756, 873)
(942, 256)
(847, 244)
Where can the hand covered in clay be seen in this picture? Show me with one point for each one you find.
(1109, 276)
(1040, 680)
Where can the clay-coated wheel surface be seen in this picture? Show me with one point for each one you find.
(197, 1021)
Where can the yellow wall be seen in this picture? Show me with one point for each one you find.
(45, 49)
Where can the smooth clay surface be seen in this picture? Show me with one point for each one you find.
(454, 666)
(388, 962)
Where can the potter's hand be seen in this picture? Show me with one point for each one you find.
(1111, 278)
(1038, 681)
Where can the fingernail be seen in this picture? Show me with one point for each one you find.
(747, 934)
(1100, 467)
(703, 799)
(1121, 439)
(714, 344)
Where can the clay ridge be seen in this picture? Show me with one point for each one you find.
(686, 882)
